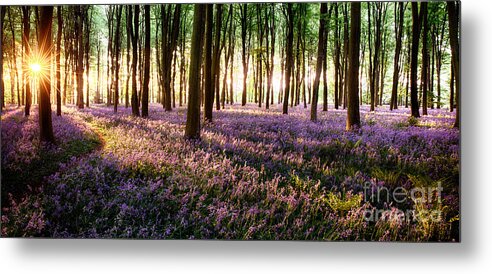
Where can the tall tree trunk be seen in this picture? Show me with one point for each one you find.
(79, 21)
(416, 24)
(145, 92)
(216, 55)
(231, 83)
(209, 91)
(353, 116)
(227, 55)
(453, 15)
(119, 10)
(98, 77)
(26, 14)
(408, 66)
(2, 84)
(246, 37)
(377, 48)
(169, 42)
(109, 75)
(173, 79)
(182, 69)
(431, 71)
(451, 89)
(58, 54)
(88, 19)
(425, 57)
(396, 68)
(134, 35)
(45, 43)
(15, 74)
(272, 53)
(282, 73)
(345, 54)
(259, 57)
(128, 46)
(296, 72)
(192, 130)
(336, 60)
(319, 61)
(384, 55)
(325, 65)
(439, 51)
(289, 56)
(325, 83)
(371, 65)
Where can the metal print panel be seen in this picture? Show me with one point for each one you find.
(332, 121)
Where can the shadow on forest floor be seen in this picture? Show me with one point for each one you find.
(19, 177)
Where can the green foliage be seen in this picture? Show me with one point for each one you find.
(342, 203)
(412, 121)
(391, 177)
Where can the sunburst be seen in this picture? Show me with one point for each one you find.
(38, 64)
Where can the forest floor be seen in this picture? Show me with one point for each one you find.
(255, 174)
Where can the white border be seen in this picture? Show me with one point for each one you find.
(470, 256)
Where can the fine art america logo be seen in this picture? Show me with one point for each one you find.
(426, 202)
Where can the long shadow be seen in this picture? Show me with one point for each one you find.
(23, 177)
(229, 124)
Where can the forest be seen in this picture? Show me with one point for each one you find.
(294, 121)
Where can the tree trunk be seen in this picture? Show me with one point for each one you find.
(87, 51)
(319, 61)
(425, 57)
(369, 44)
(246, 36)
(109, 75)
(58, 54)
(345, 55)
(45, 43)
(231, 83)
(336, 60)
(414, 61)
(182, 63)
(439, 51)
(116, 65)
(79, 21)
(453, 15)
(377, 48)
(192, 130)
(128, 46)
(271, 28)
(451, 89)
(209, 91)
(353, 116)
(25, 42)
(169, 42)
(145, 91)
(396, 68)
(408, 66)
(2, 84)
(134, 35)
(216, 55)
(289, 56)
(15, 72)
(325, 65)
(227, 55)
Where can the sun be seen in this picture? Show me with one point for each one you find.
(35, 67)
